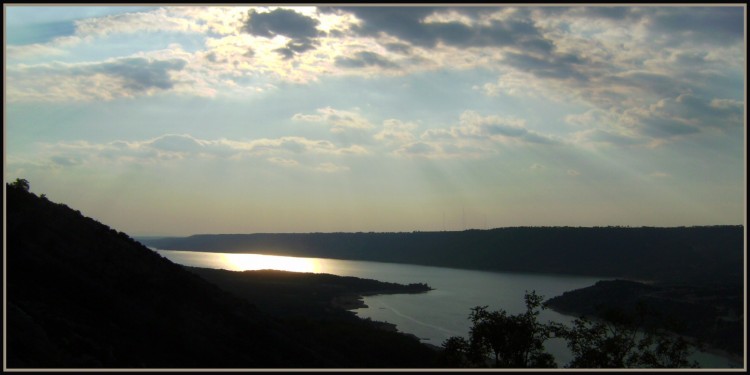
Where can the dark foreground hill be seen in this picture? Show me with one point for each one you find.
(696, 254)
(82, 295)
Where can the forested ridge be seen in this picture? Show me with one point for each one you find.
(647, 253)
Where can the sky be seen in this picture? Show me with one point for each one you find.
(179, 120)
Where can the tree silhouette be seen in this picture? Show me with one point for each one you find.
(502, 340)
(618, 340)
(20, 183)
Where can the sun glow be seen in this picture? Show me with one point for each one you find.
(243, 262)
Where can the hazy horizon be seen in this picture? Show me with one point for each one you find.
(414, 231)
(179, 120)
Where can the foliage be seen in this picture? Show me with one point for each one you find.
(20, 183)
(621, 341)
(508, 341)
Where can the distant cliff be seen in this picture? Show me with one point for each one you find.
(710, 253)
(83, 295)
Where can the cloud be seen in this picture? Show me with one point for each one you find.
(709, 25)
(606, 57)
(184, 146)
(14, 52)
(141, 74)
(688, 114)
(331, 168)
(668, 119)
(419, 148)
(400, 48)
(192, 19)
(176, 143)
(442, 150)
(363, 59)
(607, 137)
(648, 82)
(573, 172)
(124, 77)
(475, 136)
(550, 66)
(300, 29)
(338, 120)
(283, 161)
(492, 128)
(396, 132)
(636, 68)
(428, 26)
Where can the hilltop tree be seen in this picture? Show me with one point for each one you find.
(20, 183)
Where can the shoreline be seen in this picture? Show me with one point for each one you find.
(353, 301)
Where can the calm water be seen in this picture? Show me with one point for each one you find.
(432, 316)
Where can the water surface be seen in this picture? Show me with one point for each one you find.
(433, 316)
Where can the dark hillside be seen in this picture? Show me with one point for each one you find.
(82, 295)
(699, 254)
(712, 314)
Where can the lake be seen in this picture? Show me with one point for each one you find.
(433, 316)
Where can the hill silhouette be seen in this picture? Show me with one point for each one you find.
(696, 254)
(83, 295)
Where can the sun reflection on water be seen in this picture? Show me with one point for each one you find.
(243, 262)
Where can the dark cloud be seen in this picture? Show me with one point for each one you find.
(719, 25)
(519, 133)
(296, 46)
(688, 114)
(281, 22)
(690, 58)
(549, 66)
(614, 12)
(664, 127)
(668, 25)
(363, 59)
(302, 30)
(139, 74)
(402, 22)
(704, 112)
(406, 24)
(398, 48)
(660, 84)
